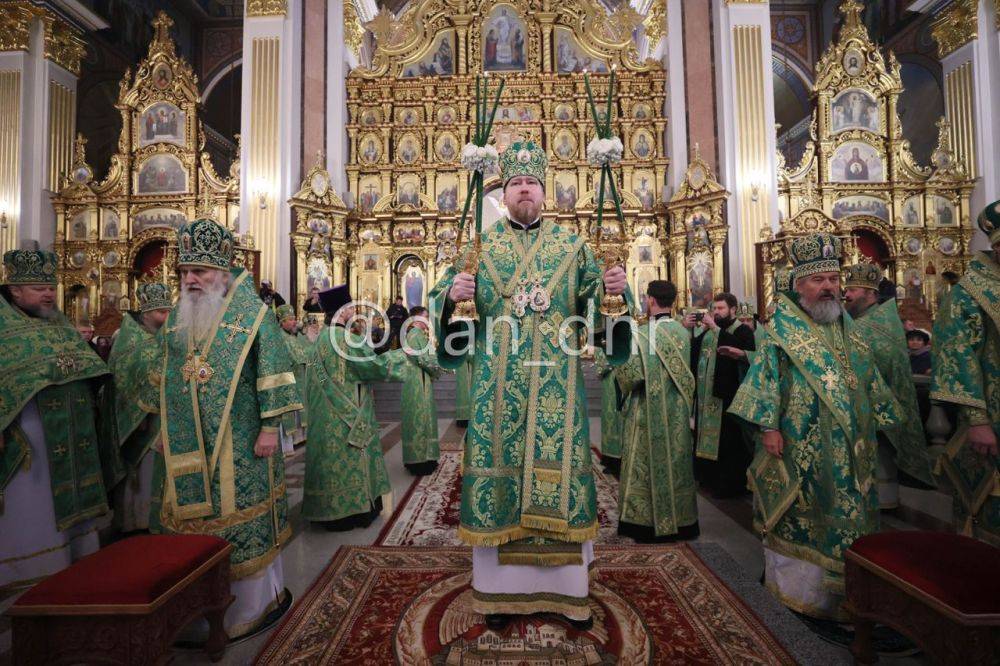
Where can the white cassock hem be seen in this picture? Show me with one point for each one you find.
(256, 596)
(523, 589)
(800, 586)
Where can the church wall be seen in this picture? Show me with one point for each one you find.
(699, 76)
(314, 46)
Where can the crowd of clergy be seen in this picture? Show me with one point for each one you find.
(183, 430)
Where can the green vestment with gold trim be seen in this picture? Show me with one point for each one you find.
(612, 422)
(527, 469)
(463, 390)
(419, 413)
(301, 352)
(819, 386)
(136, 355)
(882, 329)
(710, 406)
(657, 474)
(215, 399)
(345, 470)
(47, 360)
(966, 371)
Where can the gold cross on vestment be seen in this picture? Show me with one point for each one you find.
(81, 400)
(59, 450)
(799, 344)
(53, 404)
(829, 379)
(235, 328)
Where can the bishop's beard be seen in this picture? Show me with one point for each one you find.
(196, 310)
(823, 312)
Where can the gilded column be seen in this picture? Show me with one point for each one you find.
(271, 131)
(969, 48)
(746, 132)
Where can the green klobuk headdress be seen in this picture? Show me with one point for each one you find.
(864, 275)
(285, 312)
(523, 158)
(989, 222)
(205, 243)
(818, 253)
(30, 267)
(153, 296)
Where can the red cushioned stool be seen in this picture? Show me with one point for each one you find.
(125, 603)
(941, 590)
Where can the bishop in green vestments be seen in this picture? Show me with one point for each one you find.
(527, 478)
(657, 492)
(421, 449)
(51, 481)
(966, 373)
(902, 446)
(300, 350)
(226, 385)
(136, 356)
(612, 422)
(345, 471)
(817, 397)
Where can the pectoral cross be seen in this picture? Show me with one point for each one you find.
(829, 379)
(235, 328)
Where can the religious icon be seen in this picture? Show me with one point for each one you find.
(161, 174)
(566, 145)
(571, 58)
(854, 109)
(446, 115)
(856, 162)
(371, 262)
(447, 147)
(641, 145)
(504, 41)
(944, 211)
(439, 62)
(162, 122)
(911, 212)
(79, 226)
(645, 254)
(162, 76)
(860, 205)
(644, 192)
(853, 62)
(564, 112)
(566, 192)
(369, 195)
(371, 148)
(408, 151)
(413, 286)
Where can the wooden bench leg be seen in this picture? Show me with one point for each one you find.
(861, 648)
(215, 646)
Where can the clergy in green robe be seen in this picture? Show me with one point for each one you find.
(966, 374)
(227, 382)
(719, 360)
(463, 392)
(612, 422)
(529, 505)
(135, 356)
(421, 449)
(51, 481)
(345, 471)
(299, 349)
(818, 400)
(903, 446)
(657, 493)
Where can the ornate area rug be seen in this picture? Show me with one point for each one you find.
(651, 605)
(428, 514)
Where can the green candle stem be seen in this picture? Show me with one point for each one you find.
(607, 120)
(593, 107)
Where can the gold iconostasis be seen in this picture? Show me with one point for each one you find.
(114, 233)
(858, 178)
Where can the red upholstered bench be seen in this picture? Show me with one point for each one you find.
(941, 590)
(125, 603)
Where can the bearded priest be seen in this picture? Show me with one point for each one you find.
(51, 485)
(135, 356)
(529, 506)
(226, 385)
(816, 396)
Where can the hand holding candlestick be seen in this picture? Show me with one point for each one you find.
(480, 159)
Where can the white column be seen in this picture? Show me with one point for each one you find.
(39, 109)
(747, 141)
(271, 135)
(673, 61)
(339, 61)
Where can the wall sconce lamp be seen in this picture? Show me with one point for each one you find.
(261, 191)
(3, 216)
(755, 192)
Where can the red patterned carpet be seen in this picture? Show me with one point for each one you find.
(428, 516)
(406, 605)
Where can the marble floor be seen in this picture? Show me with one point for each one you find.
(725, 522)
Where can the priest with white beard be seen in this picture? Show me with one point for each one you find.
(227, 384)
(817, 398)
